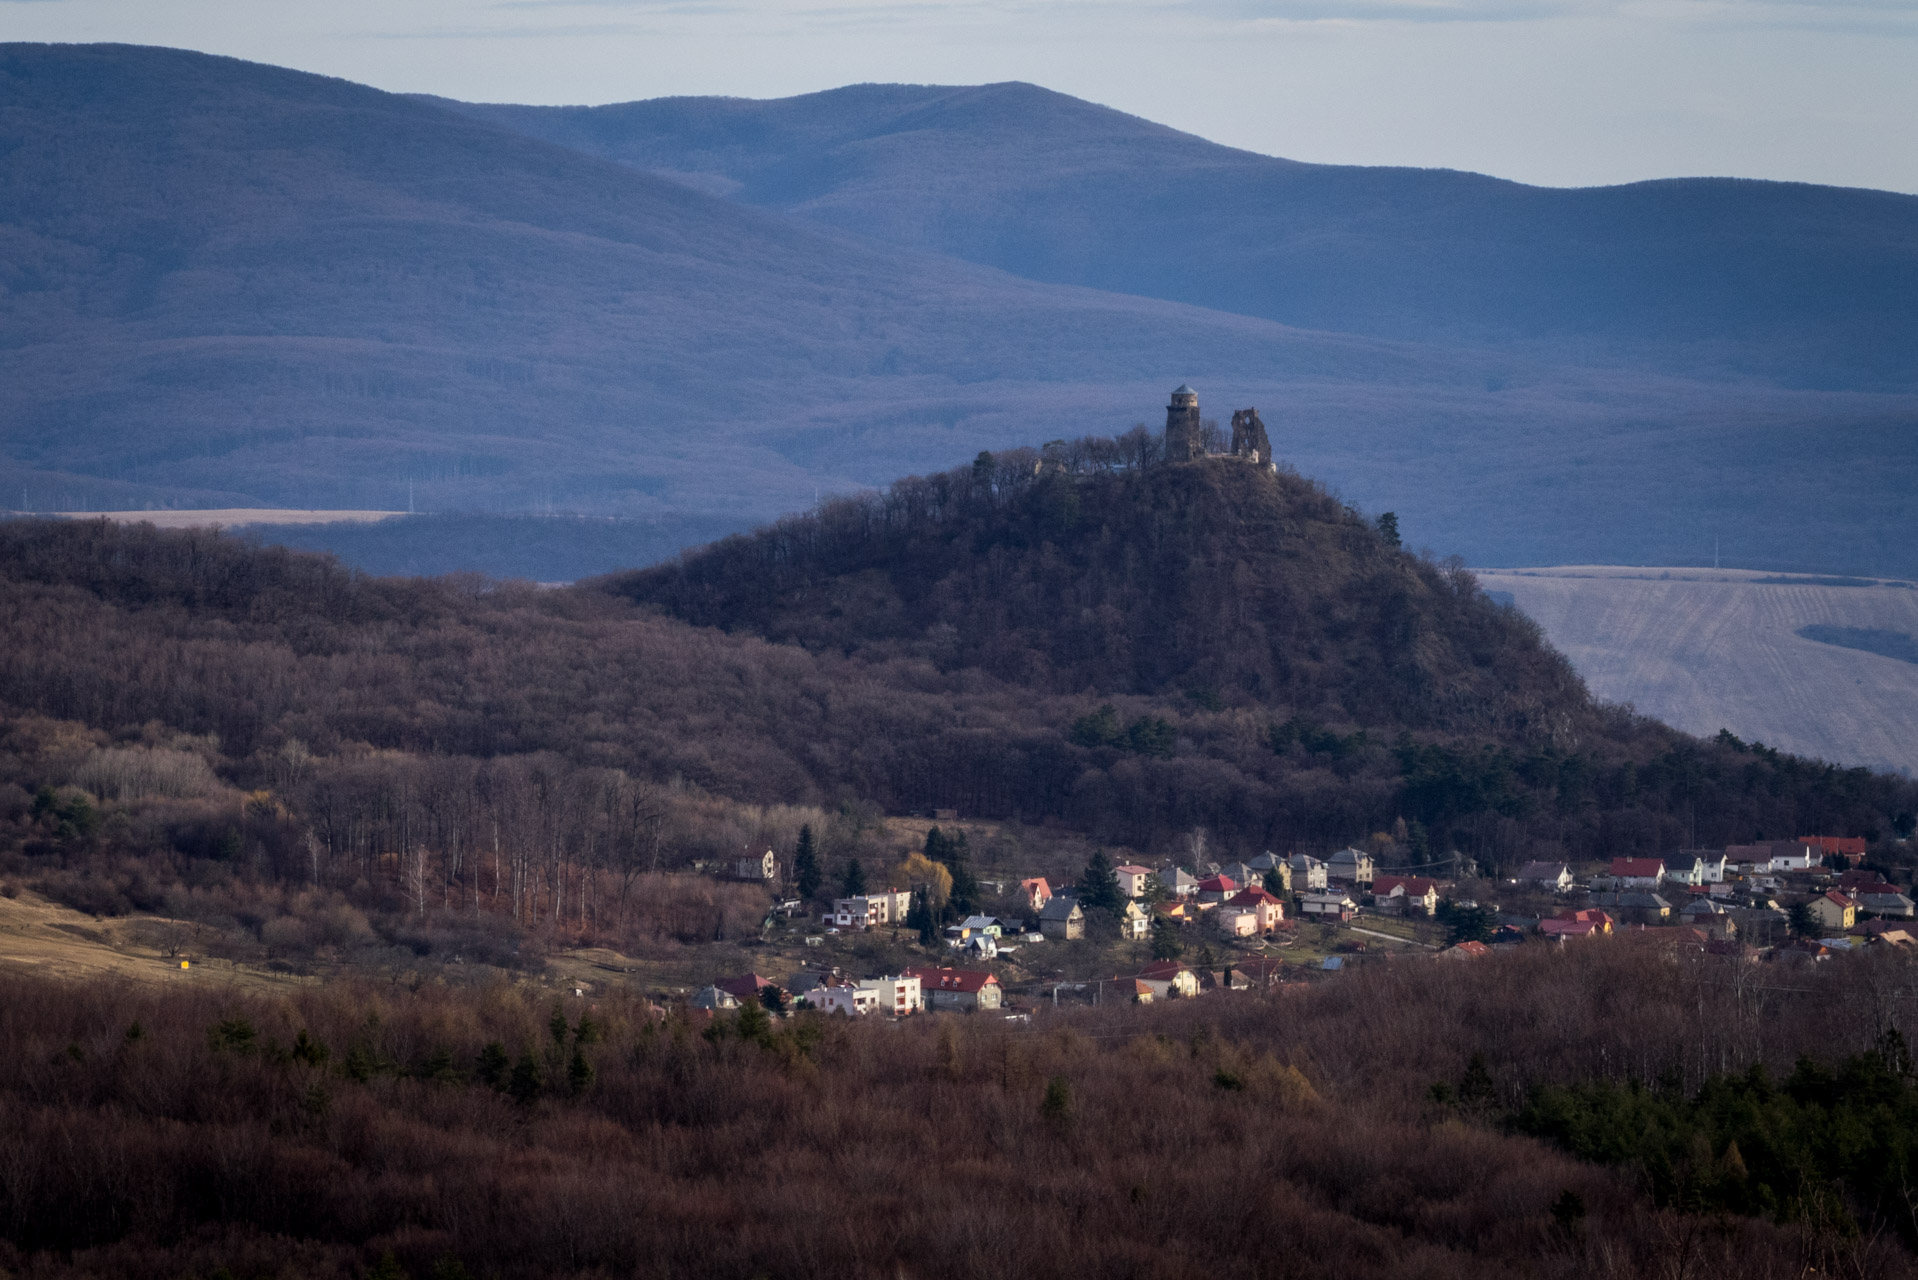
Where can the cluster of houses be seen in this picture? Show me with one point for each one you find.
(1751, 893)
(895, 995)
(1747, 892)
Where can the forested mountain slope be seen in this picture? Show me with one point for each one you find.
(1817, 283)
(1217, 579)
(1133, 651)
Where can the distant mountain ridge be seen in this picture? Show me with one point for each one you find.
(1820, 283)
(230, 285)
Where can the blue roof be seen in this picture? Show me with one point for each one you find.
(1333, 962)
(1185, 390)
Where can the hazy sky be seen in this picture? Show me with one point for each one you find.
(1565, 92)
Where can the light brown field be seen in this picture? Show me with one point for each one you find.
(230, 517)
(1706, 649)
(46, 938)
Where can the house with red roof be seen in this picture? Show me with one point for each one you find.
(1267, 910)
(1850, 848)
(1470, 949)
(1587, 923)
(1169, 979)
(1833, 910)
(958, 988)
(747, 986)
(1036, 892)
(1857, 882)
(1638, 873)
(1405, 894)
(1216, 889)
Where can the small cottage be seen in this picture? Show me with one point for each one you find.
(1062, 919)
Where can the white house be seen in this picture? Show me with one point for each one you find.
(1169, 978)
(897, 994)
(1237, 922)
(1555, 876)
(1333, 905)
(1696, 867)
(1133, 881)
(1134, 924)
(1308, 872)
(871, 910)
(1795, 855)
(1638, 873)
(853, 1001)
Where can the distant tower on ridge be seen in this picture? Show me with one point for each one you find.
(1183, 438)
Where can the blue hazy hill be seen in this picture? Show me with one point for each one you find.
(226, 284)
(1816, 284)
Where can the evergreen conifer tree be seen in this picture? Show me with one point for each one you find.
(806, 874)
(854, 880)
(919, 917)
(1165, 939)
(1099, 885)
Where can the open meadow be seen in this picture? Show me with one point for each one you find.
(1705, 649)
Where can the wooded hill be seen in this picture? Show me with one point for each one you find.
(1093, 567)
(1132, 649)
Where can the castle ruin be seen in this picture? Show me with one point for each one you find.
(1185, 432)
(1184, 435)
(1248, 437)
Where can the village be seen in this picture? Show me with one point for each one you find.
(1141, 934)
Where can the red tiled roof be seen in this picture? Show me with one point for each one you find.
(745, 986)
(1835, 844)
(1163, 970)
(1415, 886)
(1637, 867)
(1840, 899)
(972, 981)
(1568, 928)
(1130, 870)
(1218, 884)
(1250, 897)
(1864, 882)
(1472, 947)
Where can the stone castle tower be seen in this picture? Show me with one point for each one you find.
(1183, 438)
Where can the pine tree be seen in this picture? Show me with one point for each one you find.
(964, 898)
(524, 1084)
(919, 917)
(1274, 882)
(579, 1073)
(1165, 940)
(806, 874)
(854, 881)
(493, 1064)
(1099, 885)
